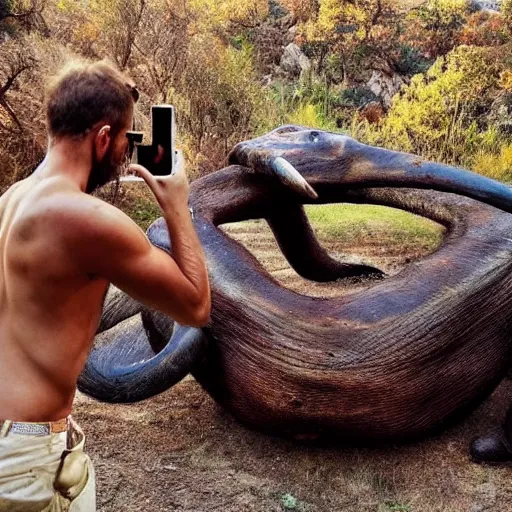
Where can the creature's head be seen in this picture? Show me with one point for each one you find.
(312, 162)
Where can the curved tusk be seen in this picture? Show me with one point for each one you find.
(290, 177)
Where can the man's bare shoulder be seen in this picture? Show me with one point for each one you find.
(79, 227)
(84, 215)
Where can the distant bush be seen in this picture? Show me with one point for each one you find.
(311, 115)
(435, 25)
(485, 29)
(309, 102)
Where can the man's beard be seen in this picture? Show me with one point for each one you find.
(105, 171)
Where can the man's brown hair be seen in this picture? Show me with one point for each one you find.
(83, 94)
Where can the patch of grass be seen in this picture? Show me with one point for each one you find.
(391, 506)
(144, 212)
(354, 222)
(290, 502)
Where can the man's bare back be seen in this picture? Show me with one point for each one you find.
(49, 310)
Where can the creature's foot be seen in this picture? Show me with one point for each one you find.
(491, 449)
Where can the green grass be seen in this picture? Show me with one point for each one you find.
(144, 212)
(138, 203)
(391, 506)
(353, 222)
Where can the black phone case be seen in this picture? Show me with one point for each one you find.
(162, 134)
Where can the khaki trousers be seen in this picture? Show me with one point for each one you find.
(40, 474)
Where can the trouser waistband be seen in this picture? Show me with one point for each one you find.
(44, 428)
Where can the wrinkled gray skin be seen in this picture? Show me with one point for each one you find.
(392, 361)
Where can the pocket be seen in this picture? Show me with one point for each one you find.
(86, 500)
(73, 474)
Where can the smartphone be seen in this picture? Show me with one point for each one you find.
(159, 157)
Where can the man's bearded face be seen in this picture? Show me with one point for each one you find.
(108, 169)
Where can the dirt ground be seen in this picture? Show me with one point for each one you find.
(181, 452)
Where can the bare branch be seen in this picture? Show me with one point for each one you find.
(9, 110)
(11, 80)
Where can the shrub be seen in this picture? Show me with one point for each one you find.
(436, 116)
(434, 27)
(485, 29)
(310, 115)
(410, 61)
(495, 165)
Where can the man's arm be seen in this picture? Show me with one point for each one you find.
(109, 244)
(176, 285)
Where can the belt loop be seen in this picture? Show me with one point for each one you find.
(6, 426)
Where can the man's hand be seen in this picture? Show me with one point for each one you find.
(171, 192)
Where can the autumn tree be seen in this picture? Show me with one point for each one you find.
(22, 28)
(121, 27)
(434, 27)
(219, 17)
(358, 32)
(98, 28)
(216, 99)
(161, 53)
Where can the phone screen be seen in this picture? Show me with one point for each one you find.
(159, 157)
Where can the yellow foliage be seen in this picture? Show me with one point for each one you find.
(309, 115)
(496, 166)
(432, 114)
(344, 22)
(329, 13)
(69, 5)
(506, 80)
(452, 5)
(87, 32)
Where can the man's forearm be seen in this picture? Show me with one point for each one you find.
(187, 251)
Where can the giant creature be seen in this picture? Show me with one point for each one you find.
(390, 361)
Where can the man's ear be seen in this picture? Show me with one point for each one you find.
(102, 141)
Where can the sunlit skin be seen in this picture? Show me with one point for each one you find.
(60, 248)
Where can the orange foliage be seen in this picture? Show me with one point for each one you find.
(373, 113)
(485, 29)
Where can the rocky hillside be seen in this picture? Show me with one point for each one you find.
(433, 77)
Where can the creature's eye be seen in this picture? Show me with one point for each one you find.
(314, 136)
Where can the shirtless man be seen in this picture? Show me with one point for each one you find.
(60, 248)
